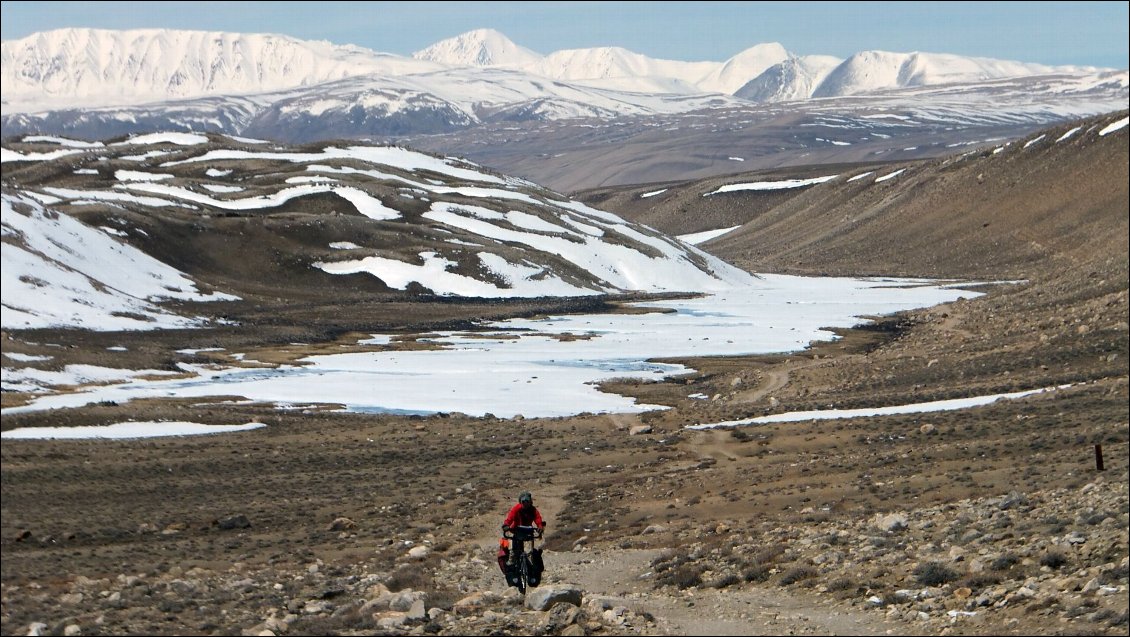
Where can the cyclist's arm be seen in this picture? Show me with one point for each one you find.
(511, 520)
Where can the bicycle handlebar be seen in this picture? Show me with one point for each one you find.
(526, 531)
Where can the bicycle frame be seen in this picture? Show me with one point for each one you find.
(527, 535)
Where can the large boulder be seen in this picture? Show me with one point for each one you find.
(547, 597)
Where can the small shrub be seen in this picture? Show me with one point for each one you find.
(845, 588)
(687, 576)
(1108, 615)
(1084, 607)
(682, 576)
(408, 578)
(348, 621)
(1095, 519)
(769, 554)
(934, 574)
(666, 562)
(1120, 619)
(797, 574)
(879, 542)
(756, 573)
(981, 581)
(725, 581)
(835, 539)
(1004, 562)
(1114, 575)
(1053, 560)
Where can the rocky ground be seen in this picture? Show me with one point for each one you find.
(985, 521)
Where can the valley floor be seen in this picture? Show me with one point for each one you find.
(991, 520)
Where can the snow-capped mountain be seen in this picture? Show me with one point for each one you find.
(870, 71)
(604, 63)
(86, 68)
(793, 79)
(369, 106)
(302, 218)
(743, 68)
(481, 47)
(605, 67)
(96, 84)
(95, 67)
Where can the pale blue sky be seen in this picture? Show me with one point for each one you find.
(1079, 33)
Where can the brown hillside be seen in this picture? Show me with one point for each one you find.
(685, 207)
(1007, 214)
(983, 214)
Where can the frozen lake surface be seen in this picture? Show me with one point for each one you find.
(550, 367)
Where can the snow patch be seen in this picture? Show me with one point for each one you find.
(124, 430)
(772, 185)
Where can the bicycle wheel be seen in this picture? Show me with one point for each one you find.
(523, 572)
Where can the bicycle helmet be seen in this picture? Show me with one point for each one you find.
(525, 498)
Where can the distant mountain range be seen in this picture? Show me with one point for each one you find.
(98, 84)
(69, 68)
(799, 77)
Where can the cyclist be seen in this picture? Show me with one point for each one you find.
(524, 513)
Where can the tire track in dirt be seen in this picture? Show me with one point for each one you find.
(623, 577)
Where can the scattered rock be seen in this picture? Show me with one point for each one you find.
(232, 522)
(547, 597)
(343, 524)
(891, 522)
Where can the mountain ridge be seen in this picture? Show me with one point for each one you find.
(474, 232)
(882, 217)
(896, 69)
(155, 64)
(656, 122)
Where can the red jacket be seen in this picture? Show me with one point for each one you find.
(521, 516)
